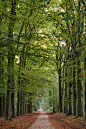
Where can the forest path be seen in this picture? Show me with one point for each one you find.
(42, 122)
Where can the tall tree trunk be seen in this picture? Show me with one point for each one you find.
(60, 88)
(19, 91)
(1, 97)
(79, 87)
(79, 84)
(85, 61)
(70, 99)
(85, 58)
(63, 87)
(53, 101)
(9, 84)
(74, 90)
(60, 95)
(23, 103)
(26, 106)
(13, 92)
(65, 98)
(70, 86)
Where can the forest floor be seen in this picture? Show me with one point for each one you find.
(62, 121)
(40, 120)
(21, 122)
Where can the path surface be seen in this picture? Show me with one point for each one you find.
(42, 122)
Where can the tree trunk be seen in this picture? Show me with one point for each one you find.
(29, 107)
(4, 105)
(79, 84)
(13, 93)
(8, 105)
(1, 106)
(1, 98)
(60, 90)
(26, 105)
(19, 84)
(85, 63)
(13, 105)
(85, 85)
(65, 98)
(60, 95)
(50, 103)
(21, 103)
(53, 101)
(74, 90)
(70, 87)
(30, 104)
(79, 88)
(18, 104)
(70, 100)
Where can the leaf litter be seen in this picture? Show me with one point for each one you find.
(21, 122)
(58, 121)
(62, 121)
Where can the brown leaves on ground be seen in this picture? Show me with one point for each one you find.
(61, 121)
(22, 122)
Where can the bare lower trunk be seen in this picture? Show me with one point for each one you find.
(8, 105)
(24, 104)
(70, 100)
(30, 104)
(13, 91)
(65, 98)
(30, 107)
(21, 104)
(85, 85)
(13, 104)
(18, 104)
(60, 94)
(79, 88)
(1, 106)
(53, 102)
(74, 91)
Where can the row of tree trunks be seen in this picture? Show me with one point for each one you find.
(22, 105)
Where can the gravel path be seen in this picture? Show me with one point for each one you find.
(42, 122)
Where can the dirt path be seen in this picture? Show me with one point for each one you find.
(42, 122)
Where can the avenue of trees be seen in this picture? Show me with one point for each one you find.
(42, 56)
